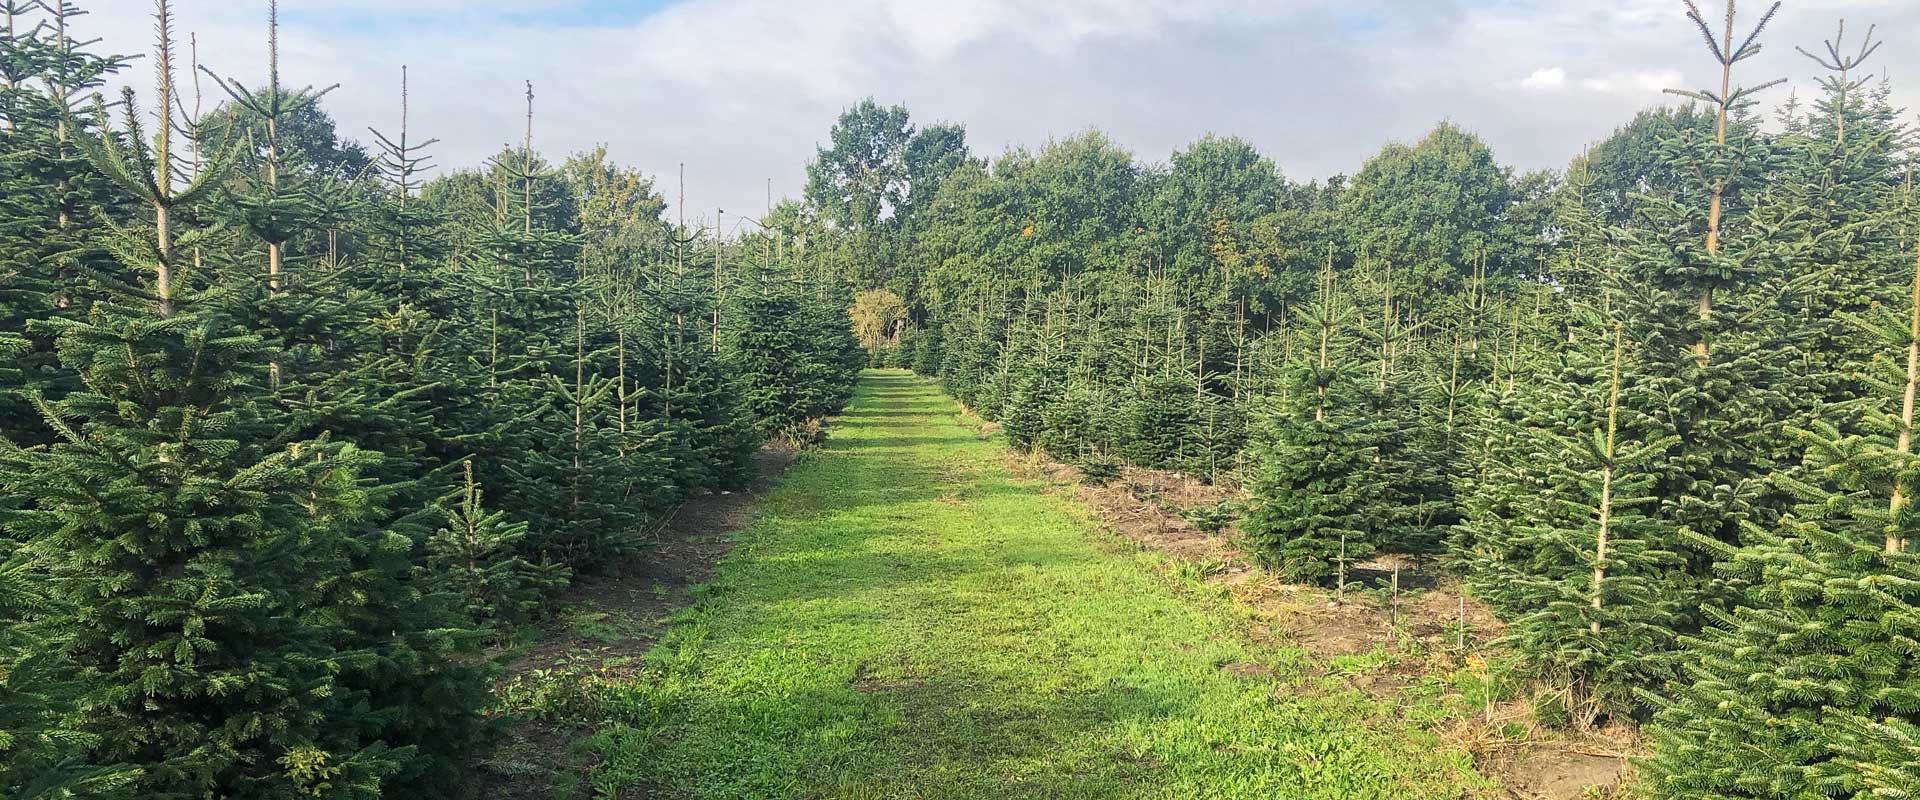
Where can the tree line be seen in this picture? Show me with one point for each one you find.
(1655, 408)
(292, 433)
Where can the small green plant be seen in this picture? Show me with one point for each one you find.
(1099, 469)
(1380, 657)
(551, 693)
(1198, 571)
(1213, 517)
(602, 626)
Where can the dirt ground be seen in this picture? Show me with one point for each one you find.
(615, 617)
(607, 623)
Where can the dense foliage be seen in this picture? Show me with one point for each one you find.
(1655, 408)
(288, 432)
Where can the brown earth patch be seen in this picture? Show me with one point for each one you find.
(1246, 669)
(1596, 764)
(866, 682)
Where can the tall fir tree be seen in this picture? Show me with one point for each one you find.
(1807, 686)
(224, 585)
(1315, 498)
(1568, 546)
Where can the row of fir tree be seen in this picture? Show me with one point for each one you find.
(291, 432)
(1656, 409)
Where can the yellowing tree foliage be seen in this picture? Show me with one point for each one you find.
(878, 315)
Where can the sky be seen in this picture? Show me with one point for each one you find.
(742, 91)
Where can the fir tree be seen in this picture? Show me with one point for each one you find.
(1315, 498)
(791, 367)
(224, 585)
(1817, 663)
(477, 556)
(1573, 556)
(50, 198)
(1837, 178)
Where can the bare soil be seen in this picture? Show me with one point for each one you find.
(612, 619)
(607, 622)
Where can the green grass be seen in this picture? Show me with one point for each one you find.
(908, 620)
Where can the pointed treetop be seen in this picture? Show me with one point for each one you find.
(276, 103)
(1843, 64)
(1727, 54)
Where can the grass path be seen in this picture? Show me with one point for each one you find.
(906, 619)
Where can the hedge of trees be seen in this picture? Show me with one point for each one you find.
(1656, 408)
(290, 431)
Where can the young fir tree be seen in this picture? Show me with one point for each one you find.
(1080, 419)
(709, 440)
(276, 199)
(927, 351)
(1036, 386)
(1574, 559)
(1219, 435)
(238, 619)
(1078, 426)
(51, 199)
(477, 556)
(1839, 170)
(1808, 685)
(1409, 436)
(407, 228)
(402, 376)
(1315, 498)
(1694, 281)
(791, 367)
(1455, 397)
(1156, 422)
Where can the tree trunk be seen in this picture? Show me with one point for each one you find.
(1716, 205)
(1606, 482)
(163, 266)
(1904, 445)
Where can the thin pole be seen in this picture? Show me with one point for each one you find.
(1394, 612)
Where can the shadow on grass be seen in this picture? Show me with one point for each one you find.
(912, 622)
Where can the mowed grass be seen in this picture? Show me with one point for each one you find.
(908, 620)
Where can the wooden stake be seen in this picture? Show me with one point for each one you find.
(1463, 622)
(1393, 619)
(526, 177)
(579, 399)
(1340, 587)
(275, 250)
(623, 387)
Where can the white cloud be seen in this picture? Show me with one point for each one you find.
(1545, 78)
(740, 90)
(1640, 82)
